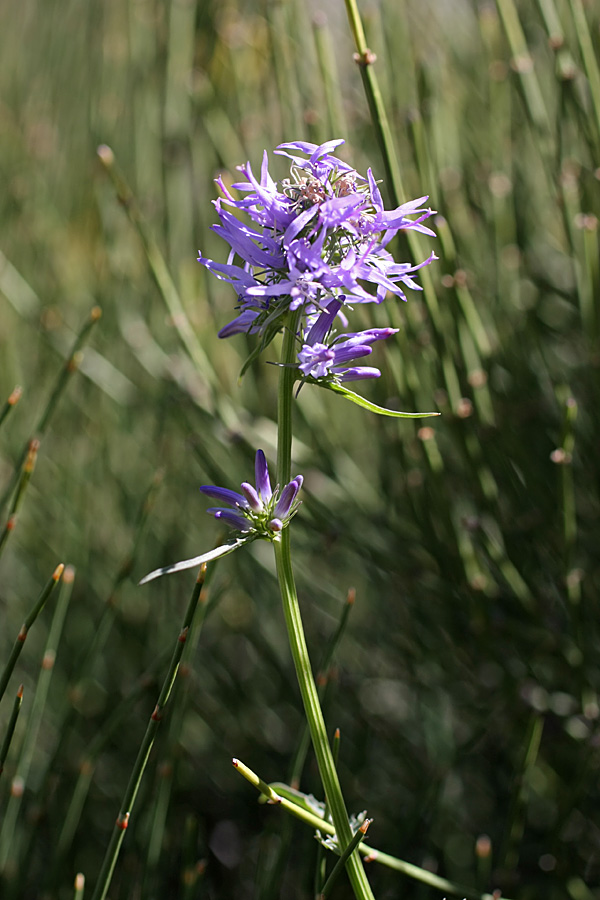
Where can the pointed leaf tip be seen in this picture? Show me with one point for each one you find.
(223, 550)
(372, 407)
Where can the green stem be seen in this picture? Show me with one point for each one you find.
(113, 849)
(22, 636)
(293, 619)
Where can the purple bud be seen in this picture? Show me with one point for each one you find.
(357, 372)
(232, 518)
(224, 495)
(252, 497)
(275, 525)
(263, 483)
(288, 495)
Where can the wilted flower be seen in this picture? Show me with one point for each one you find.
(317, 243)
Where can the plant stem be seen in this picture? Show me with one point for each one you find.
(293, 619)
(22, 636)
(112, 852)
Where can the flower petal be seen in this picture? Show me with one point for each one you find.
(261, 472)
(225, 495)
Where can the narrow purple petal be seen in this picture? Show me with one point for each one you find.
(232, 518)
(323, 324)
(353, 351)
(225, 495)
(252, 497)
(288, 495)
(263, 482)
(358, 372)
(244, 323)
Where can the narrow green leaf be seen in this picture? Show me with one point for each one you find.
(366, 404)
(223, 550)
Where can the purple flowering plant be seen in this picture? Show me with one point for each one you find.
(316, 245)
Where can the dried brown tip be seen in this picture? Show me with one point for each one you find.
(365, 826)
(32, 453)
(107, 157)
(58, 571)
(15, 395)
(20, 692)
(351, 596)
(79, 881)
(69, 576)
(235, 762)
(96, 313)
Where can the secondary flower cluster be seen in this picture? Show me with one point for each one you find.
(259, 510)
(317, 243)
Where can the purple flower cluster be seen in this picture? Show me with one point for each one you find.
(316, 243)
(258, 511)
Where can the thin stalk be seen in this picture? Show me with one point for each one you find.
(10, 728)
(122, 822)
(315, 821)
(339, 866)
(588, 54)
(22, 636)
(36, 716)
(70, 366)
(10, 403)
(79, 886)
(158, 267)
(26, 474)
(321, 863)
(293, 619)
(322, 684)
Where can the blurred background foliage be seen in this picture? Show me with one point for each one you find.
(466, 685)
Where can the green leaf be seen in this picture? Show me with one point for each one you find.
(366, 404)
(223, 550)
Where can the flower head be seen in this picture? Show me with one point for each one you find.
(258, 511)
(317, 242)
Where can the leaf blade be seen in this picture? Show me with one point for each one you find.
(367, 404)
(211, 555)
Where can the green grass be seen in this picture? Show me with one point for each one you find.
(466, 682)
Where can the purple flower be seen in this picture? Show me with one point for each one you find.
(258, 511)
(316, 238)
(318, 360)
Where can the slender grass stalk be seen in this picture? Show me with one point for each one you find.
(158, 267)
(87, 765)
(321, 861)
(590, 62)
(293, 619)
(10, 728)
(70, 366)
(326, 56)
(322, 683)
(310, 817)
(339, 866)
(127, 804)
(10, 403)
(523, 65)
(22, 636)
(516, 822)
(79, 886)
(36, 717)
(26, 474)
